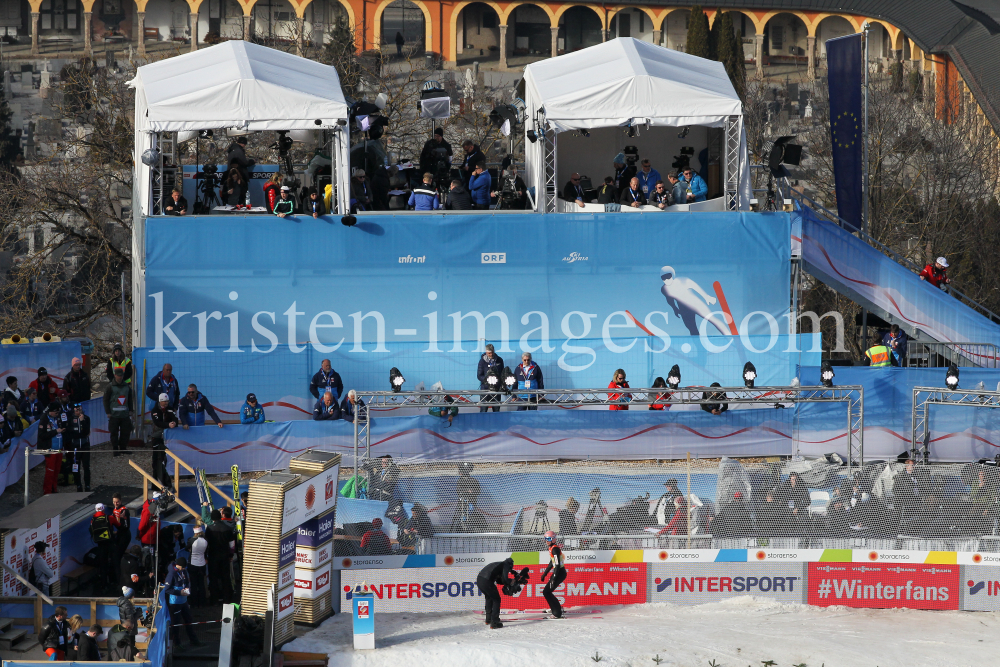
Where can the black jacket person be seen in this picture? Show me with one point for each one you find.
(493, 575)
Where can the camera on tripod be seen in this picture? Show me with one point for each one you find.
(161, 504)
(631, 155)
(283, 144)
(683, 161)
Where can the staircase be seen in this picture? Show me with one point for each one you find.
(18, 641)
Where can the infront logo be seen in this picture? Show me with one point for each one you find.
(410, 259)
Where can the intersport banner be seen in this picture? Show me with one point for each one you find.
(439, 287)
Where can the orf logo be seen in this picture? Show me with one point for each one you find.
(310, 497)
(663, 584)
(975, 586)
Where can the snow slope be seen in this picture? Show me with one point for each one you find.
(736, 632)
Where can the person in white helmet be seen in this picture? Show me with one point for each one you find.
(687, 299)
(557, 566)
(937, 273)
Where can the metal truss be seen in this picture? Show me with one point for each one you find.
(925, 397)
(851, 395)
(549, 173)
(732, 148)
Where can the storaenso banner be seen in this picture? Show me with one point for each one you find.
(445, 285)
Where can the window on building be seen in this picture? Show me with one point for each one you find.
(777, 38)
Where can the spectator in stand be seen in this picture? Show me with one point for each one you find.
(382, 481)
(54, 636)
(65, 406)
(73, 648)
(127, 613)
(31, 408)
(197, 547)
(632, 195)
(490, 361)
(11, 394)
(714, 408)
(48, 390)
(608, 193)
(694, 185)
(177, 204)
(192, 409)
(791, 498)
(315, 206)
(619, 382)
(733, 519)
(326, 378)
(285, 206)
(660, 401)
(163, 418)
(131, 573)
(77, 382)
(529, 376)
(911, 488)
(472, 157)
(665, 507)
(87, 650)
(567, 518)
(623, 173)
(119, 405)
(678, 524)
(272, 189)
(659, 197)
(425, 198)
(421, 521)
(252, 412)
(221, 538)
(361, 194)
(648, 178)
(573, 191)
(103, 538)
(896, 340)
(148, 532)
(459, 198)
(480, 185)
(164, 382)
(49, 428)
(352, 407)
(170, 541)
(678, 189)
(13, 426)
(78, 435)
(119, 360)
(178, 586)
(374, 542)
(43, 572)
(937, 273)
(326, 408)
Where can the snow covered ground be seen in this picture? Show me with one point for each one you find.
(734, 633)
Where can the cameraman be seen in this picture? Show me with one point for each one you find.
(496, 574)
(513, 193)
(435, 150)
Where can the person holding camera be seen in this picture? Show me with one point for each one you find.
(513, 193)
(436, 150)
(425, 198)
(501, 574)
(458, 197)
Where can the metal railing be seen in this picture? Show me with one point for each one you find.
(924, 354)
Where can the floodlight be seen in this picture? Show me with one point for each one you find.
(509, 380)
(826, 374)
(951, 379)
(396, 379)
(674, 377)
(492, 378)
(783, 152)
(348, 221)
(532, 137)
(151, 157)
(749, 375)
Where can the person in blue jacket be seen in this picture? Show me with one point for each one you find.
(164, 382)
(193, 407)
(252, 412)
(178, 585)
(480, 185)
(326, 408)
(425, 198)
(352, 406)
(326, 378)
(697, 189)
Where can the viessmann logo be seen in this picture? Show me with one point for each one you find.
(575, 257)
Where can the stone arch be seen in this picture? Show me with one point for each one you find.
(638, 21)
(380, 9)
(885, 46)
(786, 33)
(673, 26)
(492, 39)
(574, 30)
(505, 17)
(830, 26)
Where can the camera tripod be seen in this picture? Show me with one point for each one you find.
(463, 510)
(540, 522)
(595, 512)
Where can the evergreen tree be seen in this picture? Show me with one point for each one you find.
(730, 51)
(697, 35)
(10, 140)
(714, 39)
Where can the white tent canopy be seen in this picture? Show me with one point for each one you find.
(237, 85)
(625, 80)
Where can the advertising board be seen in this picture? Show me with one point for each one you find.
(885, 586)
(687, 584)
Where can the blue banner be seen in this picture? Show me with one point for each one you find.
(846, 74)
(440, 287)
(22, 361)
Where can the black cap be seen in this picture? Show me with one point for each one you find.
(53, 407)
(42, 371)
(118, 346)
(251, 397)
(182, 561)
(41, 546)
(439, 131)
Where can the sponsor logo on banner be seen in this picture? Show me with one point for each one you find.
(287, 554)
(315, 531)
(410, 259)
(20, 550)
(313, 558)
(363, 609)
(286, 603)
(494, 258)
(980, 588)
(311, 583)
(713, 582)
(681, 555)
(305, 502)
(286, 576)
(453, 588)
(575, 257)
(372, 562)
(910, 586)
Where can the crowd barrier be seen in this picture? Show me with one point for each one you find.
(29, 613)
(23, 360)
(640, 577)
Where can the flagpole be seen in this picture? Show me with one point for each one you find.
(865, 183)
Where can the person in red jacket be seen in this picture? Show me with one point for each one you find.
(272, 190)
(937, 273)
(148, 525)
(679, 522)
(375, 542)
(659, 401)
(618, 382)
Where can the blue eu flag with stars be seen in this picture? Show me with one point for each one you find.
(846, 74)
